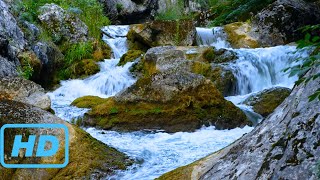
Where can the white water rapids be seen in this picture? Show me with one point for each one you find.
(158, 153)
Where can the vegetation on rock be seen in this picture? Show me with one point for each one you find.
(130, 56)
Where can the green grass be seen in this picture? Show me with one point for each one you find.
(173, 12)
(89, 11)
(79, 51)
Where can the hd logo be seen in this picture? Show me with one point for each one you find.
(42, 145)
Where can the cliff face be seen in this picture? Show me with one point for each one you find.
(284, 146)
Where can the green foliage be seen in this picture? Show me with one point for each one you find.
(79, 51)
(311, 41)
(228, 11)
(25, 70)
(89, 11)
(173, 12)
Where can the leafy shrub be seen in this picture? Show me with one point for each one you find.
(228, 11)
(311, 40)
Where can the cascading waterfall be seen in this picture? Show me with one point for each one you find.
(215, 37)
(159, 152)
(109, 81)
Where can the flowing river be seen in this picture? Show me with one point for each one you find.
(159, 152)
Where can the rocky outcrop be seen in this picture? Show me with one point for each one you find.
(25, 91)
(284, 146)
(88, 157)
(167, 96)
(62, 25)
(160, 33)
(279, 23)
(265, 102)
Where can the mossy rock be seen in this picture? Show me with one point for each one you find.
(155, 105)
(83, 69)
(30, 64)
(101, 51)
(265, 102)
(240, 35)
(87, 156)
(212, 55)
(130, 56)
(163, 32)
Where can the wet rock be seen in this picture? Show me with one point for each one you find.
(63, 25)
(267, 101)
(130, 56)
(279, 23)
(87, 156)
(25, 91)
(160, 33)
(284, 146)
(167, 96)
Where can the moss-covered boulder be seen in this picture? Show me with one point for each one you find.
(87, 156)
(83, 69)
(101, 50)
(221, 76)
(160, 33)
(62, 25)
(130, 56)
(267, 101)
(167, 96)
(240, 35)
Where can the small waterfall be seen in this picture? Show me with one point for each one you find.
(262, 68)
(215, 37)
(109, 81)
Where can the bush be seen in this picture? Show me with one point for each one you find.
(89, 11)
(311, 40)
(228, 11)
(173, 12)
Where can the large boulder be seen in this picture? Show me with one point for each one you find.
(129, 11)
(25, 91)
(265, 102)
(160, 33)
(284, 146)
(62, 25)
(7, 68)
(168, 96)
(88, 158)
(279, 23)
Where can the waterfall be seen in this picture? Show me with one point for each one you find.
(109, 81)
(160, 152)
(215, 37)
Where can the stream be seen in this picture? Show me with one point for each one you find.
(160, 152)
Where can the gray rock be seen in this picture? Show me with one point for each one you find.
(10, 29)
(284, 146)
(25, 91)
(51, 59)
(7, 68)
(62, 25)
(279, 22)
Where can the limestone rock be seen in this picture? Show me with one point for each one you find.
(25, 91)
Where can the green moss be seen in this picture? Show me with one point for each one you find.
(87, 101)
(135, 42)
(185, 112)
(238, 35)
(130, 56)
(201, 68)
(30, 65)
(82, 69)
(209, 55)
